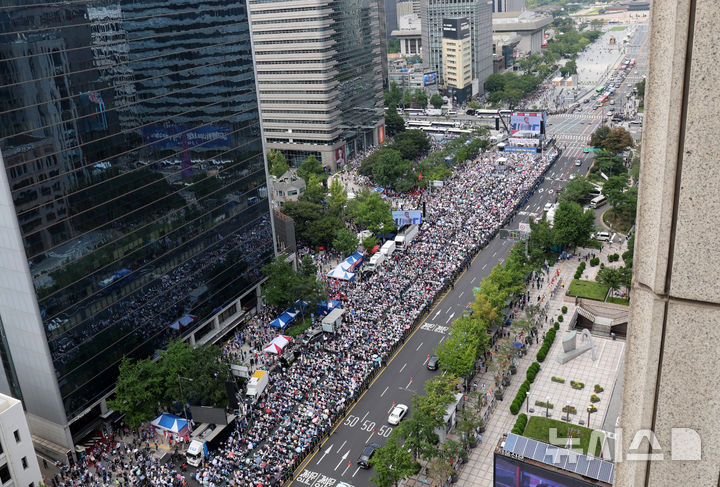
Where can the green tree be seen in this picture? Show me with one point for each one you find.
(617, 140)
(345, 241)
(369, 243)
(394, 123)
(614, 189)
(337, 199)
(278, 164)
(456, 355)
(311, 166)
(392, 463)
(436, 100)
(577, 190)
(495, 82)
(541, 236)
(421, 98)
(314, 190)
(369, 210)
(303, 214)
(611, 276)
(279, 288)
(203, 371)
(393, 96)
(390, 168)
(608, 164)
(139, 387)
(597, 138)
(322, 231)
(407, 98)
(393, 46)
(571, 225)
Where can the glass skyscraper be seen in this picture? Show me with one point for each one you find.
(133, 201)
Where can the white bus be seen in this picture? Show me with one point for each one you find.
(598, 201)
(415, 111)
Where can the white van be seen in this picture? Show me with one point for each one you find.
(602, 236)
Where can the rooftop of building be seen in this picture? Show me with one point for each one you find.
(6, 402)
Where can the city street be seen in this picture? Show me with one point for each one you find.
(334, 462)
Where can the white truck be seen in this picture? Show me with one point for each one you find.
(257, 383)
(375, 261)
(403, 239)
(433, 112)
(388, 248)
(332, 321)
(208, 437)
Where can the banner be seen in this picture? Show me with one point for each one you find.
(340, 156)
(381, 134)
(524, 141)
(529, 150)
(407, 217)
(526, 124)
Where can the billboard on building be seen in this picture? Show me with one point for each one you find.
(509, 472)
(526, 124)
(524, 141)
(185, 136)
(430, 79)
(340, 156)
(381, 134)
(407, 217)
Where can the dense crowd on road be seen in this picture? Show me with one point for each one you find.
(305, 398)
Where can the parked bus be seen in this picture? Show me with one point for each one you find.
(417, 124)
(599, 89)
(415, 111)
(598, 201)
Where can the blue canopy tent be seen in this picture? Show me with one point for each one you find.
(351, 262)
(341, 274)
(183, 322)
(170, 422)
(325, 307)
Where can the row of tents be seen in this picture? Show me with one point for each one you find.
(344, 270)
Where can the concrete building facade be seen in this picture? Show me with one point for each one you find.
(670, 385)
(508, 6)
(410, 34)
(132, 163)
(479, 14)
(457, 58)
(320, 74)
(18, 461)
(528, 26)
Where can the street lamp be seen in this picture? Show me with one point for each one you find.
(568, 411)
(589, 410)
(547, 407)
(180, 379)
(527, 404)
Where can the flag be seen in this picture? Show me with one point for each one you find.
(420, 177)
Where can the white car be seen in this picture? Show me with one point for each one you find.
(578, 163)
(397, 414)
(602, 236)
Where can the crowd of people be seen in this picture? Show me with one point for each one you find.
(305, 397)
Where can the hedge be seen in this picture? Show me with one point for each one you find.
(520, 424)
(547, 342)
(558, 379)
(598, 388)
(532, 371)
(520, 397)
(594, 398)
(576, 385)
(556, 326)
(564, 309)
(560, 318)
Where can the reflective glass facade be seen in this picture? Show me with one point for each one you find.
(131, 139)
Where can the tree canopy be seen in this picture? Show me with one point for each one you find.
(311, 166)
(277, 163)
(572, 225)
(369, 210)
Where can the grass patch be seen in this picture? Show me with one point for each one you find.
(617, 28)
(588, 289)
(617, 222)
(539, 429)
(298, 328)
(640, 109)
(623, 301)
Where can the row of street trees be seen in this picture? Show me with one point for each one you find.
(396, 96)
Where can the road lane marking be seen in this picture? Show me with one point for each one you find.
(356, 471)
(403, 367)
(418, 348)
(442, 340)
(383, 393)
(346, 469)
(461, 294)
(341, 446)
(473, 280)
(326, 452)
(436, 314)
(342, 459)
(363, 418)
(483, 267)
(450, 317)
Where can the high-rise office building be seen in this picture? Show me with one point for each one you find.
(320, 73)
(457, 58)
(499, 6)
(133, 197)
(479, 13)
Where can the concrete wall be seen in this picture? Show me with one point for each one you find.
(671, 378)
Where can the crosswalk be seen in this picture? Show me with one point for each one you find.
(572, 116)
(572, 137)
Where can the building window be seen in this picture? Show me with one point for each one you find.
(23, 460)
(17, 436)
(4, 474)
